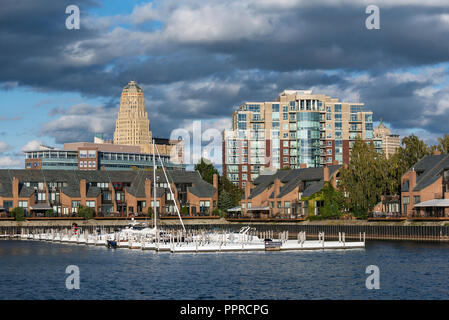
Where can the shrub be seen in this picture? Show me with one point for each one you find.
(18, 213)
(49, 213)
(85, 212)
(150, 212)
(184, 211)
(218, 212)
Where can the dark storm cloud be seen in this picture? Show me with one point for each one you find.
(194, 78)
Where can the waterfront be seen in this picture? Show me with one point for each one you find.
(408, 270)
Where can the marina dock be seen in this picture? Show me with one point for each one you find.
(195, 241)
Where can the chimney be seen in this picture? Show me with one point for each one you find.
(247, 190)
(326, 173)
(148, 192)
(215, 181)
(15, 191)
(83, 191)
(303, 165)
(277, 186)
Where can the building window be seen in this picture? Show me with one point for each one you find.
(416, 199)
(90, 204)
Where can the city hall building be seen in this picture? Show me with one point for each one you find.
(132, 146)
(108, 193)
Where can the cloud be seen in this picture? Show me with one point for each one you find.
(8, 162)
(79, 123)
(4, 146)
(198, 60)
(31, 146)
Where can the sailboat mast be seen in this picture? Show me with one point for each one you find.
(154, 188)
(171, 191)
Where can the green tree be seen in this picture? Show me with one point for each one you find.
(334, 201)
(206, 170)
(443, 145)
(364, 179)
(233, 191)
(85, 212)
(18, 213)
(411, 151)
(225, 200)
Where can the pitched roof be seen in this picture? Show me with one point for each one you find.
(72, 178)
(429, 169)
(291, 179)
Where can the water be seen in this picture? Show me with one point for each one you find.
(408, 270)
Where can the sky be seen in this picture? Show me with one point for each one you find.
(198, 60)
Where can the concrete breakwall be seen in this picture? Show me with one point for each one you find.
(331, 231)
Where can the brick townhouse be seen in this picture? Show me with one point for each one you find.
(425, 187)
(109, 193)
(287, 193)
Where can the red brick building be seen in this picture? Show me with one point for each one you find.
(287, 193)
(109, 193)
(425, 188)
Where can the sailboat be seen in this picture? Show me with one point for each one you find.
(136, 233)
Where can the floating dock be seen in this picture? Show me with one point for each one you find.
(202, 242)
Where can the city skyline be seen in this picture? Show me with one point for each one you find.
(70, 88)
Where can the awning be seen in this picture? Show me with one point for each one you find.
(259, 209)
(434, 203)
(235, 209)
(40, 206)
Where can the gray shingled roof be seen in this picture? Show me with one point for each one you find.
(136, 179)
(313, 188)
(429, 169)
(291, 179)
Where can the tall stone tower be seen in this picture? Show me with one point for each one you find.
(132, 126)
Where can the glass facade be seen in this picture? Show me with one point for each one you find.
(308, 135)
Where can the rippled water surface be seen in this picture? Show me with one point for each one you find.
(408, 270)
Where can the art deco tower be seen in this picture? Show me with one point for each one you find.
(132, 125)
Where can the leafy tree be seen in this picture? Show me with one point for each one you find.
(411, 151)
(334, 201)
(443, 145)
(18, 213)
(364, 179)
(206, 170)
(85, 212)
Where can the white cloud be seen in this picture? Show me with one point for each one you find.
(4, 146)
(8, 162)
(31, 146)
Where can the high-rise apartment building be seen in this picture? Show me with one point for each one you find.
(298, 129)
(132, 125)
